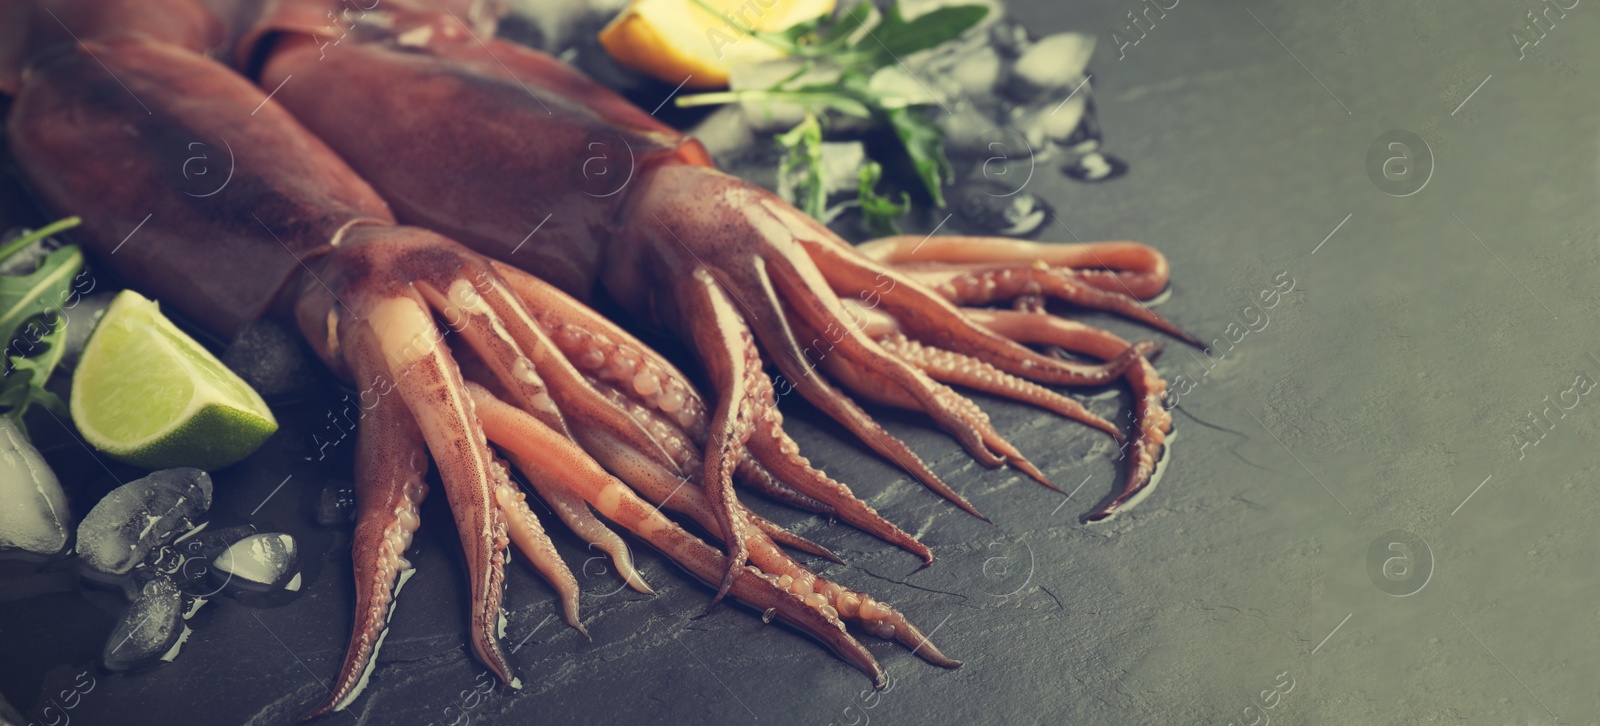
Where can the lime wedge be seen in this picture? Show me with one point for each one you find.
(146, 393)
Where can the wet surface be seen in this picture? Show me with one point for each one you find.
(1380, 415)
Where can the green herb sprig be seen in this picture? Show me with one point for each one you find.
(852, 47)
(32, 325)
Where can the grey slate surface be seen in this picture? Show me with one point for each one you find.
(1388, 385)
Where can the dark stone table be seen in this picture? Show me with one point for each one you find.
(1392, 390)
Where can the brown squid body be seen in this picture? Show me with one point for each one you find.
(113, 100)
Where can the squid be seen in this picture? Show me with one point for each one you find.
(526, 161)
(433, 208)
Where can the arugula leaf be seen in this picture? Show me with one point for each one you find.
(855, 46)
(814, 99)
(53, 228)
(800, 174)
(896, 37)
(847, 24)
(32, 327)
(924, 143)
(23, 386)
(878, 211)
(22, 297)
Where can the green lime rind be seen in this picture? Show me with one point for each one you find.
(213, 438)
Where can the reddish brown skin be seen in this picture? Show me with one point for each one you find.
(105, 115)
(490, 141)
(567, 174)
(118, 109)
(160, 112)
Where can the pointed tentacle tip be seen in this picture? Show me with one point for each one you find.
(722, 591)
(967, 507)
(930, 653)
(507, 674)
(828, 555)
(1021, 464)
(1105, 514)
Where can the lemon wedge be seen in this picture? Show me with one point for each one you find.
(681, 41)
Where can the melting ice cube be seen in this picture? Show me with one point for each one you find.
(149, 628)
(258, 561)
(33, 509)
(141, 515)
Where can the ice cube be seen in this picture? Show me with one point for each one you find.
(337, 504)
(9, 715)
(81, 319)
(149, 629)
(970, 132)
(726, 134)
(191, 560)
(142, 515)
(1010, 38)
(987, 207)
(271, 359)
(33, 509)
(1049, 122)
(259, 561)
(550, 25)
(969, 66)
(978, 72)
(1055, 62)
(841, 166)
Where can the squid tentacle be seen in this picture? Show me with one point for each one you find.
(575, 513)
(726, 345)
(773, 328)
(817, 309)
(531, 539)
(773, 447)
(983, 286)
(1151, 418)
(515, 430)
(462, 304)
(870, 371)
(789, 539)
(483, 328)
(755, 468)
(950, 367)
(432, 388)
(838, 603)
(391, 465)
(750, 471)
(930, 317)
(521, 301)
(1139, 270)
(758, 477)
